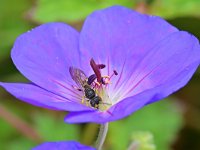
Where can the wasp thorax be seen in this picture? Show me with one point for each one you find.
(89, 93)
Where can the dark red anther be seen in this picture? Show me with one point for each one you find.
(96, 70)
(101, 66)
(115, 72)
(102, 81)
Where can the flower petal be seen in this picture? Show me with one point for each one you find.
(62, 145)
(163, 63)
(152, 74)
(44, 55)
(145, 50)
(132, 104)
(119, 38)
(35, 95)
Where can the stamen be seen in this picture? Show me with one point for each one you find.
(108, 64)
(105, 80)
(101, 66)
(97, 83)
(114, 73)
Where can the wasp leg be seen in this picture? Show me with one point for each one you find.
(96, 106)
(96, 91)
(83, 99)
(87, 103)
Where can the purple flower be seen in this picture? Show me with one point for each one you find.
(121, 59)
(64, 145)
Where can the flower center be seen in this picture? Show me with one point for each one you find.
(99, 84)
(94, 87)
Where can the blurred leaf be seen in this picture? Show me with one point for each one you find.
(54, 129)
(161, 119)
(6, 132)
(175, 8)
(12, 24)
(14, 77)
(143, 140)
(70, 10)
(92, 129)
(190, 24)
(11, 139)
(20, 144)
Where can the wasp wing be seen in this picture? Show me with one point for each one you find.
(78, 76)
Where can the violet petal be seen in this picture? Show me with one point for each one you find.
(44, 55)
(63, 145)
(40, 97)
(145, 50)
(132, 104)
(116, 35)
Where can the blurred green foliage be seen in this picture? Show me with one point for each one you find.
(12, 23)
(160, 120)
(175, 8)
(54, 129)
(143, 140)
(77, 10)
(71, 10)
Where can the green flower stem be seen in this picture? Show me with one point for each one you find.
(102, 136)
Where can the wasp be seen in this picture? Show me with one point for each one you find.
(84, 83)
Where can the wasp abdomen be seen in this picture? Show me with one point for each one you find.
(95, 101)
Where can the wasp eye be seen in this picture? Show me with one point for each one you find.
(91, 79)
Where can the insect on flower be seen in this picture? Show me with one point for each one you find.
(80, 78)
(120, 62)
(88, 85)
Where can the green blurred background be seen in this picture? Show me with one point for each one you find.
(173, 123)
